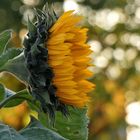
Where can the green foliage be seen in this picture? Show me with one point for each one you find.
(35, 131)
(31, 27)
(10, 98)
(7, 133)
(18, 98)
(4, 39)
(16, 66)
(73, 127)
(8, 55)
(2, 92)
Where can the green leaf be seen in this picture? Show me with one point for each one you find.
(17, 67)
(18, 98)
(7, 133)
(10, 59)
(35, 131)
(5, 36)
(2, 92)
(9, 54)
(11, 98)
(5, 93)
(75, 127)
(43, 119)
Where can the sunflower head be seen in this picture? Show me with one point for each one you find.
(57, 58)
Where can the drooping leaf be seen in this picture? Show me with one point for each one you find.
(5, 36)
(75, 127)
(35, 131)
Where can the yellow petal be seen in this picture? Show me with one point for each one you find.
(63, 78)
(69, 22)
(86, 84)
(66, 91)
(83, 74)
(61, 47)
(58, 39)
(63, 83)
(69, 59)
(57, 52)
(63, 17)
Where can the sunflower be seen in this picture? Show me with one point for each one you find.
(57, 60)
(69, 58)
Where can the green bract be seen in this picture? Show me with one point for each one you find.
(36, 57)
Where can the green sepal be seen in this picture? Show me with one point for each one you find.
(46, 97)
(35, 50)
(36, 61)
(31, 27)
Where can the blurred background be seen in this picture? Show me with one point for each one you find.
(114, 35)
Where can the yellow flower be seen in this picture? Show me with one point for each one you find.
(57, 59)
(68, 55)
